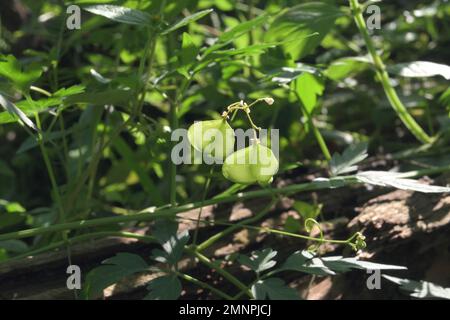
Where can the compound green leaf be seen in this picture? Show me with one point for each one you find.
(113, 270)
(121, 14)
(273, 289)
(164, 288)
(259, 260)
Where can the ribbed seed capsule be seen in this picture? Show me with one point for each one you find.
(215, 138)
(256, 163)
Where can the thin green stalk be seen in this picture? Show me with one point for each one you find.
(51, 174)
(40, 90)
(382, 74)
(81, 238)
(64, 142)
(83, 224)
(317, 134)
(203, 259)
(148, 53)
(104, 234)
(141, 68)
(245, 225)
(97, 153)
(172, 166)
(144, 215)
(151, 54)
(173, 120)
(425, 172)
(205, 193)
(233, 227)
(55, 63)
(203, 285)
(172, 211)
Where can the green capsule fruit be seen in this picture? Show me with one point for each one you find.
(254, 164)
(266, 166)
(236, 167)
(215, 138)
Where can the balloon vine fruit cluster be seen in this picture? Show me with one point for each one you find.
(216, 139)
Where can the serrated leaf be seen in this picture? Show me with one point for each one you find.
(305, 261)
(306, 210)
(219, 55)
(345, 67)
(341, 264)
(273, 289)
(396, 180)
(345, 163)
(165, 231)
(65, 92)
(308, 88)
(242, 28)
(234, 33)
(164, 288)
(248, 50)
(420, 289)
(121, 14)
(117, 97)
(288, 74)
(185, 21)
(32, 142)
(113, 270)
(13, 70)
(292, 225)
(301, 20)
(188, 49)
(41, 105)
(259, 260)
(420, 69)
(188, 54)
(15, 112)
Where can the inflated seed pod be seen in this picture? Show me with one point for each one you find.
(213, 137)
(236, 167)
(266, 164)
(254, 164)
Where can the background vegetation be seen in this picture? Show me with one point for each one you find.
(88, 113)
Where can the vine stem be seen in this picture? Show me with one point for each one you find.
(82, 238)
(382, 74)
(173, 120)
(147, 239)
(317, 134)
(245, 225)
(205, 193)
(151, 239)
(51, 174)
(155, 213)
(173, 168)
(149, 52)
(203, 285)
(145, 215)
(203, 259)
(232, 227)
